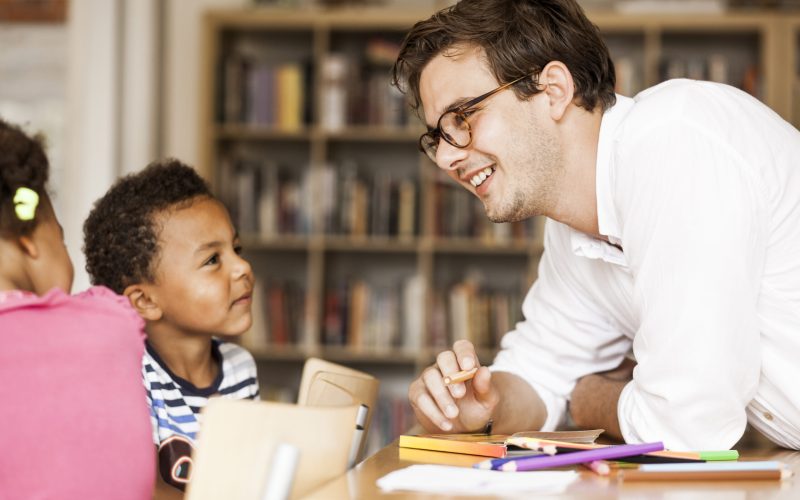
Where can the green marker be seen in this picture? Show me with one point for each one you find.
(714, 456)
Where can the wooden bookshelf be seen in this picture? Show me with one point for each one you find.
(791, 89)
(756, 51)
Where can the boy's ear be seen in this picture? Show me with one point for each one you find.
(560, 88)
(28, 247)
(141, 300)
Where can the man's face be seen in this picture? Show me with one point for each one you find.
(514, 143)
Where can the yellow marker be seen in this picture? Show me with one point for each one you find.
(461, 376)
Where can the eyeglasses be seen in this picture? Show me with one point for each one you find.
(453, 126)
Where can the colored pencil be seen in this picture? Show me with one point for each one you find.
(495, 463)
(679, 456)
(533, 444)
(730, 471)
(599, 467)
(461, 376)
(579, 457)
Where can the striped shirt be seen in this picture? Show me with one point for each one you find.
(175, 403)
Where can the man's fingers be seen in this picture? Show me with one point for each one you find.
(448, 365)
(482, 388)
(465, 354)
(428, 407)
(436, 388)
(425, 407)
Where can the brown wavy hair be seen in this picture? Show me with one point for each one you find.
(518, 37)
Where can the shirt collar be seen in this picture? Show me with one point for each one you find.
(606, 214)
(582, 244)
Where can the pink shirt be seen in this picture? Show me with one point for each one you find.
(73, 418)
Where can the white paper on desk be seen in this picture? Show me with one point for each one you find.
(468, 481)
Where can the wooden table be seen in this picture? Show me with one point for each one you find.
(360, 481)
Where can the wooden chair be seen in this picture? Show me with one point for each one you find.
(236, 449)
(329, 384)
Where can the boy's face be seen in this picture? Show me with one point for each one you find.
(203, 286)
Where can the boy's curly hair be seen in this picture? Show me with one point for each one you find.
(120, 237)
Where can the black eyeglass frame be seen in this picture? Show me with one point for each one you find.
(435, 135)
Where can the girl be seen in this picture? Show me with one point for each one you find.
(73, 424)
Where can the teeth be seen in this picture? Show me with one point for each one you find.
(481, 176)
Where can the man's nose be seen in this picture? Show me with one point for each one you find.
(448, 156)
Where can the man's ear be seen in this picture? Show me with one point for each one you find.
(559, 88)
(141, 299)
(28, 247)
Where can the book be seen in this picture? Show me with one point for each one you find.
(496, 445)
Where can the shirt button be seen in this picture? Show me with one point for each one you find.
(768, 415)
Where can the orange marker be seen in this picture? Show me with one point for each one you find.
(461, 376)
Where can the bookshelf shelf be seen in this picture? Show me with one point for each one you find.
(371, 244)
(364, 252)
(335, 354)
(375, 134)
(260, 133)
(478, 246)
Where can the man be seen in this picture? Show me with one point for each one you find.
(674, 234)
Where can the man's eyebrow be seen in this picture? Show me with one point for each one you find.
(451, 107)
(457, 103)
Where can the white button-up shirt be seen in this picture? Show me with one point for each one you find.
(699, 184)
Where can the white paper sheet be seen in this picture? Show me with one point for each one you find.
(468, 481)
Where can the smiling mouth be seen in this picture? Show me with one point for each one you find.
(481, 176)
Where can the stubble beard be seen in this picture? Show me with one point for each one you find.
(530, 185)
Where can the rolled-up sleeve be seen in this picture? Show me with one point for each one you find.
(696, 247)
(566, 333)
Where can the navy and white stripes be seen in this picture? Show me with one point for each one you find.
(175, 403)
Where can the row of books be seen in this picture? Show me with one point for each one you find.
(361, 315)
(271, 200)
(473, 312)
(458, 213)
(264, 93)
(714, 67)
(279, 312)
(355, 89)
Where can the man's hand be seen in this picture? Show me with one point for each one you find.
(462, 407)
(593, 403)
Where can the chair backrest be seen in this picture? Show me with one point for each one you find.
(237, 443)
(329, 384)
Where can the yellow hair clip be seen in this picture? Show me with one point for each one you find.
(25, 202)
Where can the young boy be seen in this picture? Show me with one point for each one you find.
(160, 238)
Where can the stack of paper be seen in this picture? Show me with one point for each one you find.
(462, 481)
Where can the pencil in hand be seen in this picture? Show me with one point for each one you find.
(461, 376)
